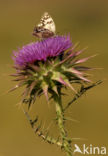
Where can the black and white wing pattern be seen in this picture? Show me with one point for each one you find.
(46, 28)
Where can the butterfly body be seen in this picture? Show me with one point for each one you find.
(46, 27)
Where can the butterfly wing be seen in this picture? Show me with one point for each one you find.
(47, 22)
(46, 28)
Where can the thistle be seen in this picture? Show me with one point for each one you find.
(46, 67)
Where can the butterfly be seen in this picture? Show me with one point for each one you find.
(46, 28)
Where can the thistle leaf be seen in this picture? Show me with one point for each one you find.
(81, 92)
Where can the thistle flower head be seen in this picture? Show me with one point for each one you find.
(40, 51)
(46, 66)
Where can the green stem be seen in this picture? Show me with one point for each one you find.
(66, 143)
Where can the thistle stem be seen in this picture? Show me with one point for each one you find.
(66, 142)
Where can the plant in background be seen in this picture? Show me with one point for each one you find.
(46, 67)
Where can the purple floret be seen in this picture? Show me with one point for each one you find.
(40, 51)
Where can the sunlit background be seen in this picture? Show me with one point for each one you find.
(87, 22)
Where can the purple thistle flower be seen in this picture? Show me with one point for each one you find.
(40, 51)
(46, 65)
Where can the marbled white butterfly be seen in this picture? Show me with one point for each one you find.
(46, 28)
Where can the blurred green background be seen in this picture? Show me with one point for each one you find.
(87, 22)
